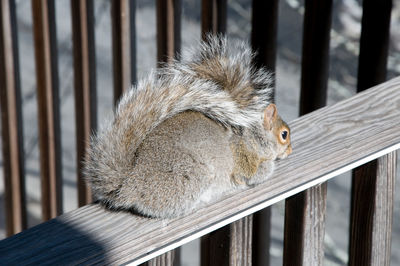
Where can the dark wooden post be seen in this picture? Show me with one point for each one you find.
(305, 212)
(124, 45)
(264, 33)
(45, 40)
(213, 17)
(168, 30)
(230, 245)
(11, 121)
(315, 55)
(372, 212)
(263, 42)
(373, 183)
(85, 85)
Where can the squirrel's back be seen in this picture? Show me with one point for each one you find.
(218, 81)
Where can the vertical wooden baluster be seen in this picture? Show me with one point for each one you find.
(315, 55)
(215, 246)
(241, 248)
(374, 43)
(48, 106)
(305, 212)
(372, 212)
(304, 227)
(263, 41)
(168, 47)
(231, 245)
(213, 17)
(264, 33)
(168, 30)
(11, 118)
(82, 13)
(373, 183)
(124, 45)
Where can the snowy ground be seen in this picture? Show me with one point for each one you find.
(342, 84)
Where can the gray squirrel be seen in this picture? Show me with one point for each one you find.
(189, 133)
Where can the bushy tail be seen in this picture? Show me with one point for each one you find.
(218, 81)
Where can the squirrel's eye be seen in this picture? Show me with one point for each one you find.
(284, 134)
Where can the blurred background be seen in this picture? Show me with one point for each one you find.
(344, 47)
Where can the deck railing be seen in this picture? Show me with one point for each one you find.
(327, 142)
(235, 230)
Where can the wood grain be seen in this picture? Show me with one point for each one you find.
(305, 227)
(45, 41)
(383, 216)
(11, 121)
(241, 242)
(372, 212)
(326, 143)
(230, 245)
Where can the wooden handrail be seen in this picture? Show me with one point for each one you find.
(326, 143)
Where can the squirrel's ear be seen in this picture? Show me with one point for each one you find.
(270, 114)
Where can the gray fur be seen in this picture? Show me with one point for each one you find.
(136, 161)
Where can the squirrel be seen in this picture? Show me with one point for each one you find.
(189, 133)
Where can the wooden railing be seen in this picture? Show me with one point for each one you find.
(326, 142)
